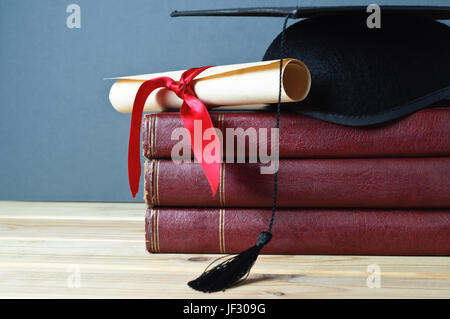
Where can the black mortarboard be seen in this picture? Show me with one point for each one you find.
(359, 76)
(363, 75)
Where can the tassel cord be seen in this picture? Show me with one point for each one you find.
(275, 177)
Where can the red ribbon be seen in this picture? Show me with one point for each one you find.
(192, 110)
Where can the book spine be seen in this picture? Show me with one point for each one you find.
(424, 133)
(359, 183)
(299, 231)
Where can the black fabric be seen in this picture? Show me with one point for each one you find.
(433, 12)
(363, 76)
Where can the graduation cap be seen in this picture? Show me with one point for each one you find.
(360, 75)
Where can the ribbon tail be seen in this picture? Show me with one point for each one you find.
(134, 145)
(212, 173)
(197, 120)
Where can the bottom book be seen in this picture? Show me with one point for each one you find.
(299, 231)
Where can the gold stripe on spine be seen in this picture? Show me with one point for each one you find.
(149, 136)
(220, 186)
(220, 125)
(151, 183)
(148, 182)
(223, 231)
(222, 122)
(145, 181)
(157, 182)
(154, 231)
(221, 119)
(148, 130)
(157, 230)
(144, 142)
(220, 230)
(223, 184)
(150, 231)
(154, 135)
(154, 163)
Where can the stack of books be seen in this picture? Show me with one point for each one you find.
(376, 190)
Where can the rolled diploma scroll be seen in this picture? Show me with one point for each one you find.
(237, 84)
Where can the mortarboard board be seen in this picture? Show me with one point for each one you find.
(360, 76)
(433, 12)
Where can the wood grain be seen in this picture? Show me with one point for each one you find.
(40, 243)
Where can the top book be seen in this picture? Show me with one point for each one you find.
(424, 133)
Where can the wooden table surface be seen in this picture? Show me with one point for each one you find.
(96, 250)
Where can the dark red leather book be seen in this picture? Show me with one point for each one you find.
(424, 133)
(299, 231)
(363, 182)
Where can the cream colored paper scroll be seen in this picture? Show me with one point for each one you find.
(227, 85)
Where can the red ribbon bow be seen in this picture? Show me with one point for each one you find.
(192, 110)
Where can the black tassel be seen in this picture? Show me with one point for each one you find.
(230, 271)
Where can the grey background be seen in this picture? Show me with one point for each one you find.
(60, 139)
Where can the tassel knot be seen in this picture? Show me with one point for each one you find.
(263, 238)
